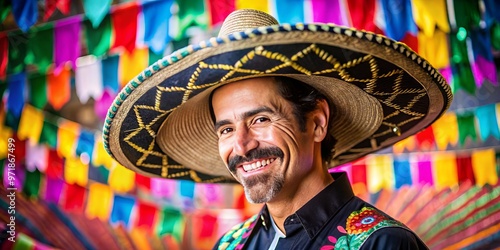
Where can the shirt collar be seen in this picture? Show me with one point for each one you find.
(316, 212)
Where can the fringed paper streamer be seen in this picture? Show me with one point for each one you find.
(99, 201)
(122, 209)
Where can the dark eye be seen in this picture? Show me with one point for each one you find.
(261, 120)
(225, 130)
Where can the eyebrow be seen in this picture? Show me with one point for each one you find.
(245, 115)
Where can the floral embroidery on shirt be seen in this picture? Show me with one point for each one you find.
(236, 237)
(359, 226)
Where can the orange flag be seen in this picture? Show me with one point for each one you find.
(59, 87)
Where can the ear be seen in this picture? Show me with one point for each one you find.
(321, 117)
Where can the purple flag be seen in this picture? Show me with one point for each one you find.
(329, 12)
(424, 166)
(66, 42)
(53, 188)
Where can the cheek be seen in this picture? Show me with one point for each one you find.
(224, 150)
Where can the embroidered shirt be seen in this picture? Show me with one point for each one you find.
(333, 219)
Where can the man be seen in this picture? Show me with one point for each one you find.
(274, 107)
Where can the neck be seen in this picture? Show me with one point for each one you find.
(289, 202)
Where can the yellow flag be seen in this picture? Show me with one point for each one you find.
(100, 157)
(427, 14)
(120, 178)
(67, 137)
(30, 125)
(99, 201)
(446, 131)
(380, 172)
(75, 171)
(131, 64)
(434, 48)
(261, 5)
(445, 170)
(5, 134)
(484, 167)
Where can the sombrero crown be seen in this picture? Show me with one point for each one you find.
(382, 92)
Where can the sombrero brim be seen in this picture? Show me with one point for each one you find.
(383, 92)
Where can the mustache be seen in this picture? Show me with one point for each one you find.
(254, 154)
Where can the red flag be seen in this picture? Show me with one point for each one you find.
(465, 171)
(146, 214)
(54, 164)
(425, 139)
(143, 181)
(20, 149)
(64, 6)
(75, 198)
(4, 54)
(124, 19)
(50, 7)
(362, 15)
(220, 9)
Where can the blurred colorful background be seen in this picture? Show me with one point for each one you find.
(62, 62)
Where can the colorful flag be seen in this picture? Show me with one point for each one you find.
(75, 171)
(484, 165)
(4, 54)
(67, 135)
(74, 198)
(110, 73)
(122, 209)
(53, 188)
(156, 24)
(124, 20)
(15, 100)
(49, 134)
(99, 201)
(31, 124)
(59, 88)
(219, 10)
(88, 79)
(32, 184)
(380, 172)
(171, 223)
(98, 38)
(96, 10)
(40, 47)
(445, 170)
(38, 90)
(293, 11)
(25, 13)
(66, 42)
(132, 64)
(121, 179)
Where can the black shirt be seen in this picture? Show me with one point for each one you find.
(333, 219)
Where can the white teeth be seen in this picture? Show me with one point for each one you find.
(257, 165)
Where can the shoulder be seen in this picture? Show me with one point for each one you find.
(369, 228)
(236, 234)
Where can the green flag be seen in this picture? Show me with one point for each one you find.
(38, 90)
(99, 39)
(460, 66)
(49, 134)
(191, 13)
(32, 184)
(172, 223)
(466, 127)
(153, 57)
(41, 47)
(18, 46)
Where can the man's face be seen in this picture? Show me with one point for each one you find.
(260, 140)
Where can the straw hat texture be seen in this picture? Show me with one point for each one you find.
(382, 92)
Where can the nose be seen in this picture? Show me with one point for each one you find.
(244, 141)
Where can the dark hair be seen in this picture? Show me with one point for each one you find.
(304, 99)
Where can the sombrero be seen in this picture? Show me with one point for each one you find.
(382, 92)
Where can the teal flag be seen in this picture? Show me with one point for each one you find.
(98, 38)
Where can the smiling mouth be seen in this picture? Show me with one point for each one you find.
(257, 165)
